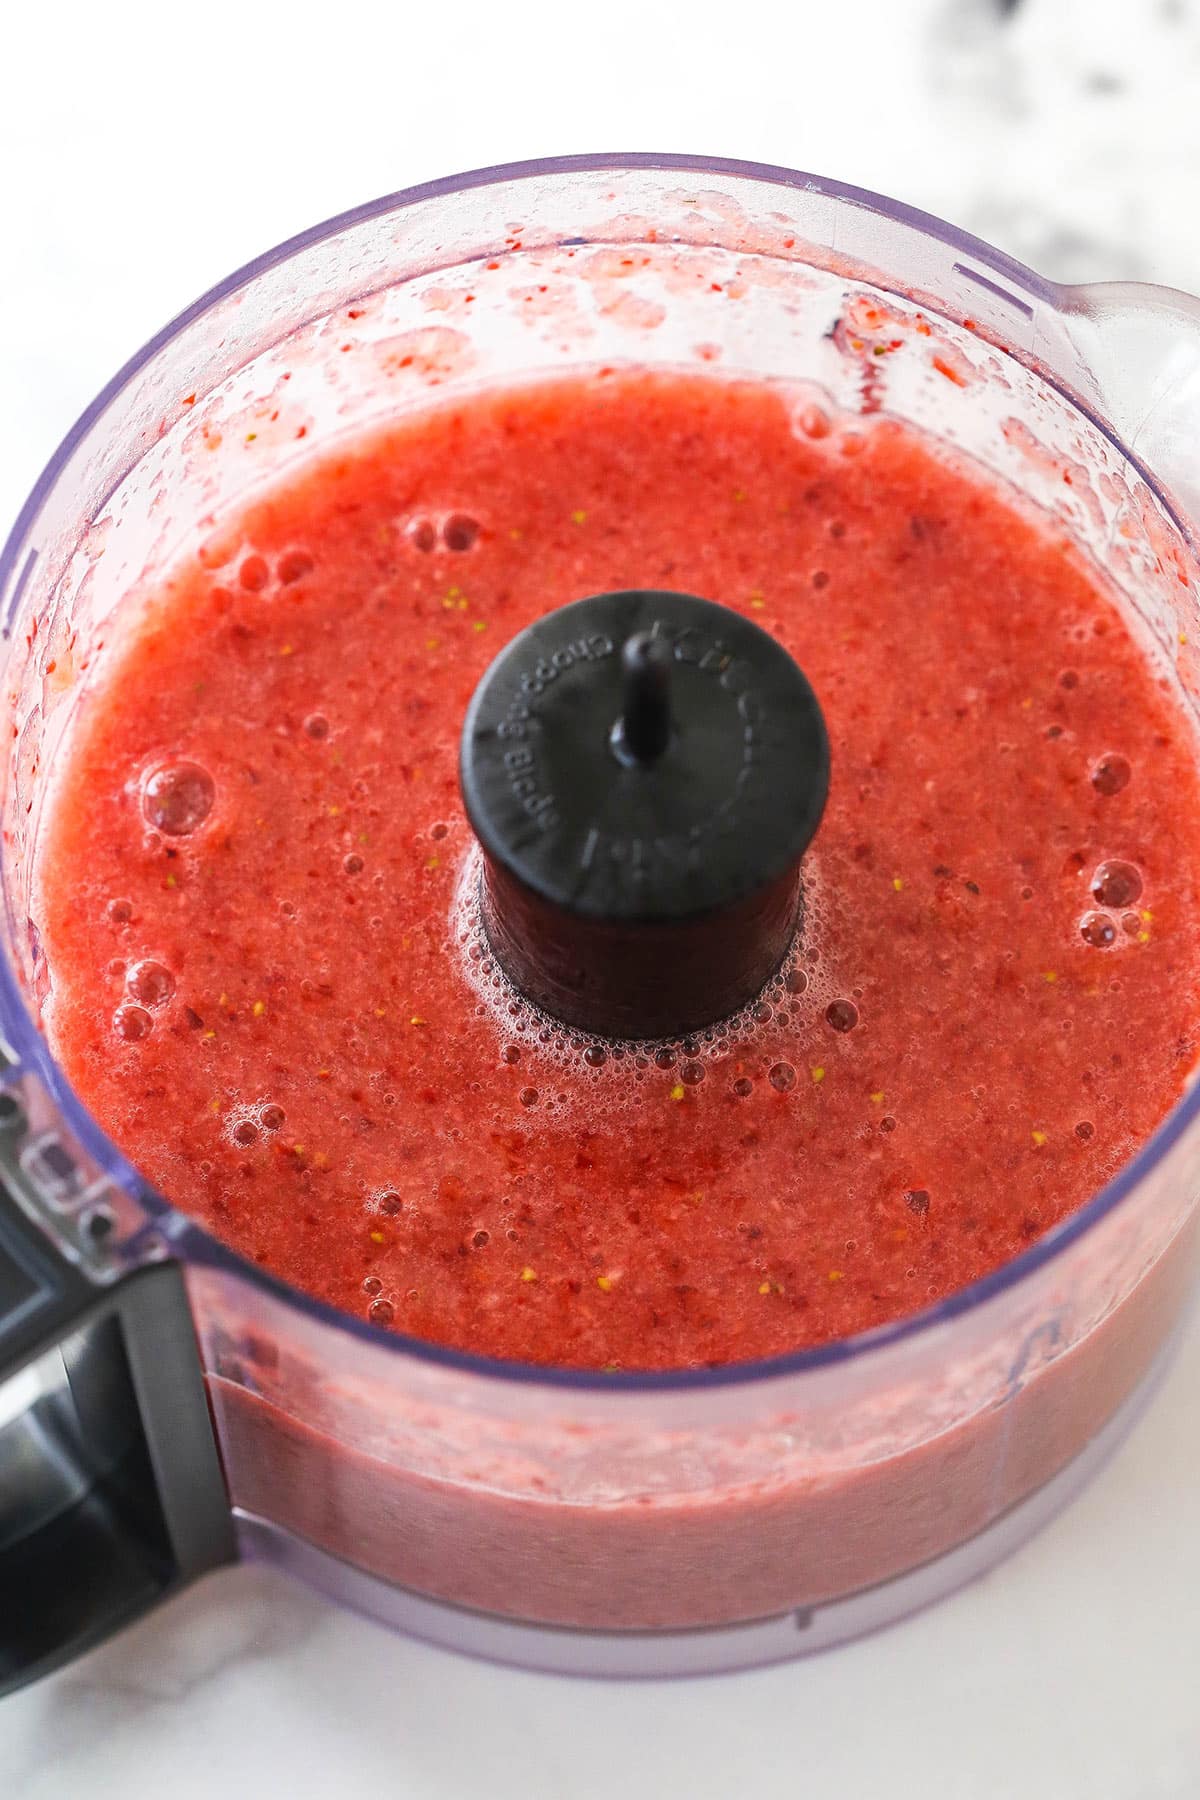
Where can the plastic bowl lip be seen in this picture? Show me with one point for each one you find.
(197, 1246)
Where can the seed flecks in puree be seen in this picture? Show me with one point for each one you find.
(268, 985)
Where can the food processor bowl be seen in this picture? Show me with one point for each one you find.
(607, 1523)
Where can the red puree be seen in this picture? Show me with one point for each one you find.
(264, 988)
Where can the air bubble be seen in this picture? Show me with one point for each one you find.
(510, 1054)
(460, 531)
(1117, 884)
(293, 566)
(150, 982)
(390, 1204)
(353, 863)
(371, 1284)
(814, 422)
(246, 1132)
(664, 1059)
(132, 1023)
(796, 981)
(1098, 930)
(422, 535)
(178, 797)
(692, 1073)
(439, 830)
(842, 1015)
(595, 1056)
(481, 1239)
(762, 1013)
(119, 911)
(782, 1077)
(1111, 774)
(254, 574)
(382, 1312)
(1085, 1130)
(743, 1088)
(316, 725)
(529, 1096)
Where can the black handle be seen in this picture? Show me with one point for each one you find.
(111, 1493)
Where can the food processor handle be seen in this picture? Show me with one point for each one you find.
(1138, 347)
(111, 1492)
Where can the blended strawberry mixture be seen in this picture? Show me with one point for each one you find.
(256, 889)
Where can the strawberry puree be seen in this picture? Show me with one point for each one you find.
(738, 1545)
(256, 895)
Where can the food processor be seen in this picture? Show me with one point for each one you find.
(165, 1405)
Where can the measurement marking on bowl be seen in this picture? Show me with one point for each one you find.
(993, 287)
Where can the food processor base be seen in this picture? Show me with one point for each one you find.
(714, 1650)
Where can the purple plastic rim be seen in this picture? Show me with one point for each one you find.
(195, 1244)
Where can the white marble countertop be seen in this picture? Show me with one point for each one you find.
(145, 150)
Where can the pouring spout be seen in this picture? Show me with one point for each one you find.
(1141, 345)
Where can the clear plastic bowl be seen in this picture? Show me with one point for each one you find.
(626, 1523)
